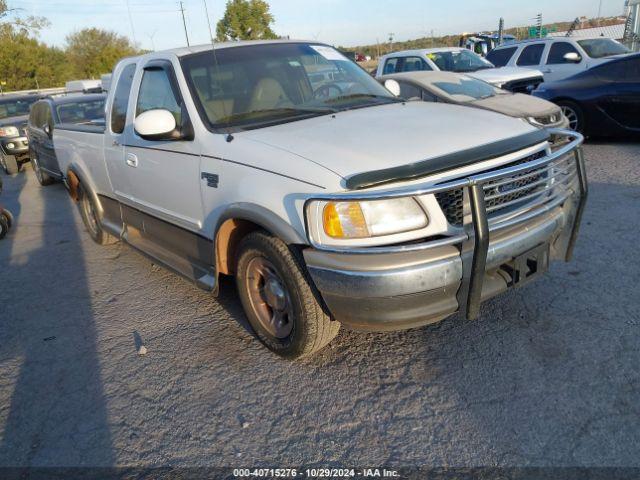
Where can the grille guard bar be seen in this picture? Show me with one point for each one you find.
(475, 239)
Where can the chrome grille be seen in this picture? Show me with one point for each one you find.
(526, 85)
(508, 194)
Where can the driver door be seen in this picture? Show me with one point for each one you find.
(165, 176)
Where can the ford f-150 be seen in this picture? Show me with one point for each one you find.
(331, 201)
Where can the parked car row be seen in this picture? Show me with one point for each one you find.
(50, 113)
(595, 82)
(329, 200)
(27, 123)
(14, 145)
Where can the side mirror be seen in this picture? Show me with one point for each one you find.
(47, 129)
(157, 124)
(393, 86)
(572, 57)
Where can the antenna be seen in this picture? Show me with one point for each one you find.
(216, 66)
(184, 22)
(206, 12)
(133, 30)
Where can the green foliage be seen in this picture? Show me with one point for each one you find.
(92, 51)
(26, 63)
(245, 20)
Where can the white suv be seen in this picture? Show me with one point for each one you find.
(557, 57)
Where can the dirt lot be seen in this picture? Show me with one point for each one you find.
(547, 376)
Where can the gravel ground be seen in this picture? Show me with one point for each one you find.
(547, 376)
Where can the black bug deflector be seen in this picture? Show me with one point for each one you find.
(446, 162)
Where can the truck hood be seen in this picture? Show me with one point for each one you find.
(14, 121)
(387, 136)
(518, 105)
(499, 76)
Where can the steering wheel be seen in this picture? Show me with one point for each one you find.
(324, 91)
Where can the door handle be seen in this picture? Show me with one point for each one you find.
(115, 143)
(548, 70)
(132, 160)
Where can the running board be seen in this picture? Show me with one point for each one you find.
(203, 278)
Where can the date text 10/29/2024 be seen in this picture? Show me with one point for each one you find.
(315, 473)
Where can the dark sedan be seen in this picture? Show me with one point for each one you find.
(46, 115)
(601, 101)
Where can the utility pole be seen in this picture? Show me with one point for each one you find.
(184, 22)
(206, 12)
(390, 42)
(599, 11)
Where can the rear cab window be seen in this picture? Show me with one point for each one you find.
(413, 64)
(531, 55)
(121, 98)
(390, 66)
(501, 57)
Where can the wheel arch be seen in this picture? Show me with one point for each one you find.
(74, 178)
(239, 220)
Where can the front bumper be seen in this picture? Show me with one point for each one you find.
(406, 289)
(15, 146)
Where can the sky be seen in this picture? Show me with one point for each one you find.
(157, 24)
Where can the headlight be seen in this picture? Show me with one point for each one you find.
(8, 132)
(11, 145)
(366, 219)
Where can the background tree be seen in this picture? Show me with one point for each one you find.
(92, 51)
(245, 20)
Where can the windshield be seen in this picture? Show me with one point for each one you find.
(16, 107)
(81, 112)
(459, 61)
(602, 47)
(253, 86)
(467, 89)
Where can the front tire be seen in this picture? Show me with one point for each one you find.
(278, 300)
(9, 164)
(90, 218)
(44, 178)
(574, 114)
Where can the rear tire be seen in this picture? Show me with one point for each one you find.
(574, 114)
(279, 300)
(89, 213)
(8, 215)
(9, 164)
(43, 178)
(4, 227)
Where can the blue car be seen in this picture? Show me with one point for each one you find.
(601, 101)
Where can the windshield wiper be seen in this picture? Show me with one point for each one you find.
(363, 95)
(277, 112)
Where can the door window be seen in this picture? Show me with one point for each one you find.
(35, 117)
(501, 56)
(531, 55)
(558, 51)
(121, 99)
(156, 92)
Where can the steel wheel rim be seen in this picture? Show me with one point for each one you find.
(269, 298)
(90, 214)
(572, 116)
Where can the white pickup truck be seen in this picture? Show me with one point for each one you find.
(331, 201)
